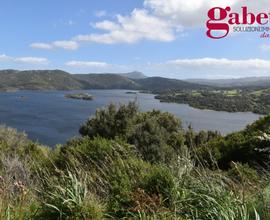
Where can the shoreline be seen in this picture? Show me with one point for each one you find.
(137, 92)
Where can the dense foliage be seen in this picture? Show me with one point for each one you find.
(134, 165)
(230, 100)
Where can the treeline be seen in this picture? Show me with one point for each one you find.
(129, 164)
(218, 100)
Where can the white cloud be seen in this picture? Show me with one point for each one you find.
(204, 67)
(82, 64)
(193, 13)
(32, 60)
(96, 66)
(140, 25)
(107, 25)
(157, 20)
(4, 57)
(42, 46)
(26, 60)
(67, 45)
(211, 68)
(160, 20)
(217, 63)
(184, 13)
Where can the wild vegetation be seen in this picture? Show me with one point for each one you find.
(129, 164)
(255, 100)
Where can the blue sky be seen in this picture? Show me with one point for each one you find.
(158, 37)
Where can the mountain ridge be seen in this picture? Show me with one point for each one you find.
(259, 81)
(134, 75)
(11, 80)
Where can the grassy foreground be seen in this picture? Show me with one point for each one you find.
(133, 165)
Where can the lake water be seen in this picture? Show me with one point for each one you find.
(50, 118)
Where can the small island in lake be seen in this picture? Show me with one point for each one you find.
(131, 92)
(81, 96)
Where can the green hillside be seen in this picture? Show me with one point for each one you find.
(60, 80)
(38, 80)
(158, 84)
(106, 81)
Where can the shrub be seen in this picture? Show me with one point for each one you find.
(111, 121)
(156, 135)
(135, 185)
(159, 182)
(123, 178)
(149, 141)
(252, 149)
(89, 153)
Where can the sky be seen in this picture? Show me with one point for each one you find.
(157, 37)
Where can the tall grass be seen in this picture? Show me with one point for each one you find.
(68, 198)
(108, 179)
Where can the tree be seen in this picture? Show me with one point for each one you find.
(110, 122)
(157, 136)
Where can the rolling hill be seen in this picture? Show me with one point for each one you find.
(38, 80)
(106, 81)
(157, 84)
(263, 82)
(60, 80)
(134, 75)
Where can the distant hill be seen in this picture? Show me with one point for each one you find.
(38, 80)
(60, 80)
(240, 82)
(106, 81)
(134, 75)
(165, 84)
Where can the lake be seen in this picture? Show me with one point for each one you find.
(50, 118)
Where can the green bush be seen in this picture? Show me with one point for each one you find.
(149, 140)
(123, 178)
(110, 122)
(156, 135)
(89, 153)
(135, 185)
(160, 182)
(237, 147)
